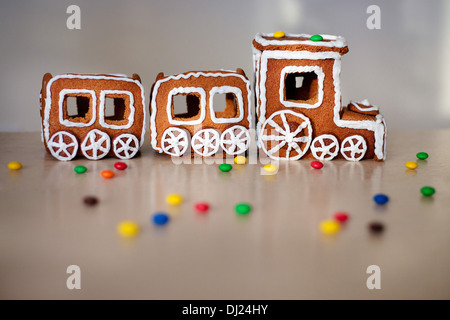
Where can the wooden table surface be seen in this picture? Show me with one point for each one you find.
(275, 252)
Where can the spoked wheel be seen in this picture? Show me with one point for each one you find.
(325, 147)
(63, 146)
(354, 148)
(125, 146)
(206, 142)
(175, 141)
(286, 135)
(96, 145)
(235, 140)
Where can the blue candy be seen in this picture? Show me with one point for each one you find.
(381, 198)
(160, 218)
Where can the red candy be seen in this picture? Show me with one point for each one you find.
(316, 164)
(201, 207)
(341, 216)
(120, 165)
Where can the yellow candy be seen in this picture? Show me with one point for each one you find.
(240, 160)
(411, 165)
(15, 165)
(270, 168)
(279, 34)
(127, 228)
(174, 199)
(329, 226)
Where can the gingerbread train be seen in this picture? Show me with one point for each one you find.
(297, 95)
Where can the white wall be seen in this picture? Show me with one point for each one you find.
(403, 68)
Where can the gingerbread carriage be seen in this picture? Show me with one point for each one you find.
(92, 115)
(203, 113)
(298, 102)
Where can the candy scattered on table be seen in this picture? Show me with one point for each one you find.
(329, 226)
(14, 165)
(225, 167)
(90, 200)
(381, 198)
(243, 208)
(160, 218)
(174, 199)
(270, 168)
(279, 34)
(341, 216)
(240, 160)
(427, 191)
(422, 155)
(107, 174)
(201, 207)
(376, 227)
(80, 169)
(411, 165)
(120, 165)
(316, 164)
(316, 37)
(128, 228)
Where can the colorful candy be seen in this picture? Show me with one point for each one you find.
(270, 168)
(120, 165)
(316, 164)
(240, 160)
(80, 169)
(329, 226)
(427, 191)
(201, 207)
(160, 218)
(341, 216)
(279, 34)
(174, 199)
(411, 165)
(316, 37)
(225, 167)
(107, 174)
(422, 155)
(243, 208)
(14, 165)
(376, 227)
(90, 201)
(128, 228)
(381, 198)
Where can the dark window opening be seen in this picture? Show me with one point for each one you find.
(115, 109)
(225, 105)
(302, 87)
(185, 106)
(77, 108)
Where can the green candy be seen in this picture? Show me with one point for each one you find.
(243, 208)
(427, 191)
(80, 169)
(316, 37)
(225, 167)
(422, 155)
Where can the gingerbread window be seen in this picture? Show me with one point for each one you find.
(116, 109)
(186, 106)
(77, 107)
(226, 104)
(301, 86)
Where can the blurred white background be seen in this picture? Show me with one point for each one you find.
(404, 67)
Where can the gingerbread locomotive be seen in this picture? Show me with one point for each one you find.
(298, 109)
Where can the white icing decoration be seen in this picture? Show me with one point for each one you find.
(154, 109)
(356, 145)
(325, 147)
(68, 123)
(177, 140)
(378, 126)
(285, 136)
(240, 102)
(102, 107)
(186, 90)
(208, 145)
(94, 141)
(294, 69)
(58, 148)
(365, 102)
(238, 142)
(124, 143)
(334, 41)
(48, 99)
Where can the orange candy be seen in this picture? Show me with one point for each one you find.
(107, 174)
